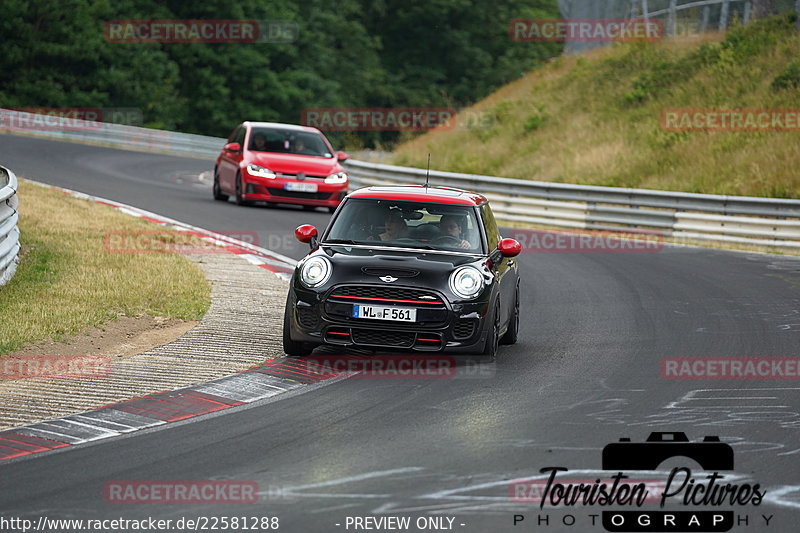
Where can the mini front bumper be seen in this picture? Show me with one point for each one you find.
(454, 328)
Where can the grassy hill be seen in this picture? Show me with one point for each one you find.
(596, 119)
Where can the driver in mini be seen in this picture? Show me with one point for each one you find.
(450, 225)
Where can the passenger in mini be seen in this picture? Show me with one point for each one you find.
(396, 227)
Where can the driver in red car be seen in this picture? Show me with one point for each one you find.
(259, 142)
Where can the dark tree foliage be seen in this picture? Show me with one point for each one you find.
(351, 53)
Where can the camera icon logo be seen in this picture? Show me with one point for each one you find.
(710, 454)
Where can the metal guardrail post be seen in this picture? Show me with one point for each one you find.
(770, 222)
(114, 135)
(764, 221)
(673, 16)
(723, 17)
(797, 10)
(9, 232)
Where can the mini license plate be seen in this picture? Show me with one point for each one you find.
(377, 312)
(300, 187)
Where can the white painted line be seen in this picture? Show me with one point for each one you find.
(351, 479)
(285, 261)
(81, 430)
(35, 430)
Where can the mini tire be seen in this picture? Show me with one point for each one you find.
(292, 347)
(512, 333)
(493, 339)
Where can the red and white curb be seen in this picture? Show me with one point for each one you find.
(267, 380)
(281, 265)
(264, 381)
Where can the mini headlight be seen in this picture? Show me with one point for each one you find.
(260, 172)
(315, 271)
(466, 282)
(338, 177)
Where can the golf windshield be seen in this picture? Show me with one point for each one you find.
(288, 141)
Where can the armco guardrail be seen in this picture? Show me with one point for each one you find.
(696, 217)
(114, 135)
(9, 232)
(680, 216)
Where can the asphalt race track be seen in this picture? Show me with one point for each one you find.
(587, 371)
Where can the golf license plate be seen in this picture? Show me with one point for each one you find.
(379, 312)
(300, 187)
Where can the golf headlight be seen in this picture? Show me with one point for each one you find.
(260, 172)
(339, 177)
(315, 271)
(466, 282)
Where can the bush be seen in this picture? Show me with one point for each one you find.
(534, 122)
(788, 79)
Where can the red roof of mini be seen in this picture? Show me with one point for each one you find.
(420, 193)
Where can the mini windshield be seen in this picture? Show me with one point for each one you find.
(288, 141)
(399, 223)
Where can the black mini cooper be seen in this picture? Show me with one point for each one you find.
(413, 268)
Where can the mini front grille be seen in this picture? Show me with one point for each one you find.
(464, 329)
(398, 294)
(307, 317)
(396, 339)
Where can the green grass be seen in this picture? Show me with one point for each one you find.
(596, 119)
(67, 281)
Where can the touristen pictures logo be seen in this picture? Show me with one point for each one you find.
(680, 499)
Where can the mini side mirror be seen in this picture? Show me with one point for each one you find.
(509, 247)
(306, 233)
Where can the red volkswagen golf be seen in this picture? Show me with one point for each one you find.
(280, 163)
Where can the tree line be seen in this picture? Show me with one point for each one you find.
(350, 53)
